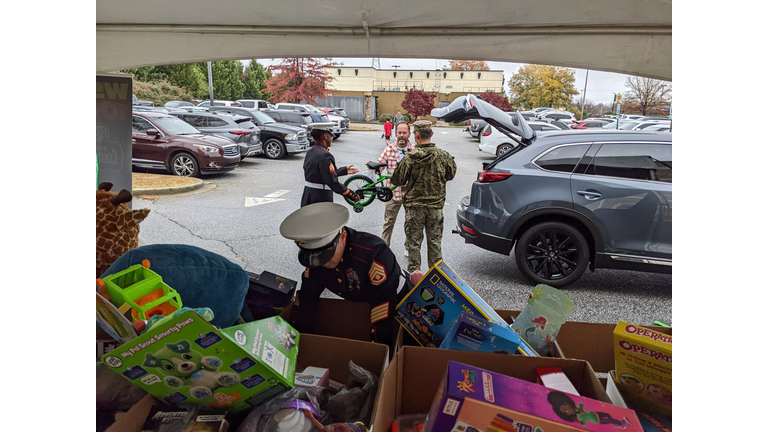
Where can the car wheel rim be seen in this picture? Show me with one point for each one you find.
(273, 149)
(183, 166)
(503, 150)
(552, 254)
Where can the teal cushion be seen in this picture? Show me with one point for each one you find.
(203, 279)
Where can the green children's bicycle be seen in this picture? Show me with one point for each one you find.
(368, 189)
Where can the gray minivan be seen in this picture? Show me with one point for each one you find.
(239, 129)
(566, 201)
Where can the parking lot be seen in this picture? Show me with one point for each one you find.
(238, 215)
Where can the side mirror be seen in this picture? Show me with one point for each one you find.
(153, 132)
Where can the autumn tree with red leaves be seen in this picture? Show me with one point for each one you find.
(468, 65)
(299, 80)
(418, 103)
(497, 100)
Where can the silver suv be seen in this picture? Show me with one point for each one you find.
(566, 201)
(240, 129)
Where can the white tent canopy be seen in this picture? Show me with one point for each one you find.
(625, 36)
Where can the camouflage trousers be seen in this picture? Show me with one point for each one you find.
(420, 220)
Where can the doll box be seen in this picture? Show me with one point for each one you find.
(188, 360)
(429, 311)
(472, 333)
(471, 398)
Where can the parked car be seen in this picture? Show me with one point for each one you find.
(296, 118)
(563, 116)
(216, 102)
(544, 126)
(292, 107)
(631, 116)
(178, 104)
(138, 102)
(240, 129)
(277, 139)
(589, 124)
(193, 109)
(659, 127)
(253, 103)
(494, 142)
(163, 141)
(528, 115)
(556, 123)
(656, 119)
(563, 202)
(475, 127)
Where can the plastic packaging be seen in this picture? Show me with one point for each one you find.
(262, 418)
(354, 402)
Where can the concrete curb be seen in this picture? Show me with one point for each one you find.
(169, 190)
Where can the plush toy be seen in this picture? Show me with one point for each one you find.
(117, 226)
(182, 366)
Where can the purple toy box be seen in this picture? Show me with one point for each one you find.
(471, 399)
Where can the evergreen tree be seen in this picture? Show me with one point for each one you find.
(254, 78)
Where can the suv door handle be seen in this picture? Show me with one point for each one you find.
(590, 195)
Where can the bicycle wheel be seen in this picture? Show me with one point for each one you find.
(363, 186)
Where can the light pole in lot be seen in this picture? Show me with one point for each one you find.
(210, 82)
(584, 95)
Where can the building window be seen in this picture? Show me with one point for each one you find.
(427, 74)
(339, 71)
(394, 74)
(462, 75)
(355, 72)
(478, 75)
(411, 74)
(445, 74)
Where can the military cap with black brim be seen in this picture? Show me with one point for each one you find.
(315, 228)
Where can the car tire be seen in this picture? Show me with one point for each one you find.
(336, 136)
(184, 165)
(502, 149)
(552, 253)
(274, 149)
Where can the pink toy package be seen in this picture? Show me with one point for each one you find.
(471, 399)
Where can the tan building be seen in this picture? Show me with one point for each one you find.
(388, 86)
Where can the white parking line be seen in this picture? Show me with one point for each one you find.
(250, 201)
(276, 194)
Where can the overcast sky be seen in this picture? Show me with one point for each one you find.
(600, 88)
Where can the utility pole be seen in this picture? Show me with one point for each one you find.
(584, 95)
(210, 82)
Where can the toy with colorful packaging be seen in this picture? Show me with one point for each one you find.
(141, 289)
(312, 377)
(112, 321)
(472, 333)
(268, 294)
(429, 311)
(408, 423)
(644, 366)
(473, 399)
(184, 420)
(185, 359)
(540, 321)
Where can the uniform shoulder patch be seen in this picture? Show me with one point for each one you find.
(377, 274)
(306, 273)
(331, 168)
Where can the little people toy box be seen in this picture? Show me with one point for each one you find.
(472, 333)
(473, 399)
(188, 360)
(429, 311)
(644, 366)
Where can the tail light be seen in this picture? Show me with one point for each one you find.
(486, 133)
(469, 122)
(492, 176)
(468, 230)
(240, 132)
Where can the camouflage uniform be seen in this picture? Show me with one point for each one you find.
(423, 173)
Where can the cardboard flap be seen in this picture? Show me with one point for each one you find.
(134, 419)
(339, 318)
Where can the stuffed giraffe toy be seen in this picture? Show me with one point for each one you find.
(117, 226)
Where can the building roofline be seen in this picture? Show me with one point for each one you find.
(413, 70)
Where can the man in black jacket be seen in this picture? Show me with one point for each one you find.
(352, 264)
(321, 176)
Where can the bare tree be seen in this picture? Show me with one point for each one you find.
(648, 95)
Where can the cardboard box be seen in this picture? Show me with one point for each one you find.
(319, 351)
(411, 381)
(430, 309)
(651, 422)
(204, 421)
(644, 366)
(472, 397)
(472, 333)
(188, 360)
(339, 318)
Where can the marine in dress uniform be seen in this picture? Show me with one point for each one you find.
(321, 175)
(352, 264)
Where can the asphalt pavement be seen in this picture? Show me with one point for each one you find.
(238, 215)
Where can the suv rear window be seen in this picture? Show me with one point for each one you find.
(562, 159)
(216, 122)
(634, 161)
(248, 104)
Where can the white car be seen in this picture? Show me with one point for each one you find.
(340, 122)
(496, 143)
(217, 102)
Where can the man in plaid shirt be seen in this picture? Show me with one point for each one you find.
(393, 154)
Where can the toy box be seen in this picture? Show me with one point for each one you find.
(540, 321)
(268, 294)
(644, 366)
(472, 333)
(429, 311)
(473, 399)
(204, 421)
(188, 360)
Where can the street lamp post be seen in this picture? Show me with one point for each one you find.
(584, 95)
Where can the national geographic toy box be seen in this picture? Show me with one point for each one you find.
(188, 360)
(644, 366)
(431, 308)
